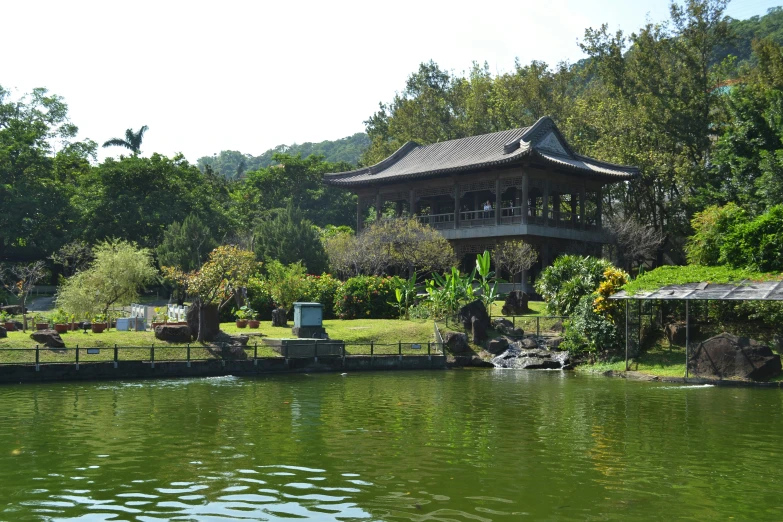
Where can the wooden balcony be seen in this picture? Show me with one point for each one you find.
(483, 224)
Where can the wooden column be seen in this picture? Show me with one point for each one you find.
(456, 205)
(525, 197)
(358, 213)
(398, 210)
(582, 194)
(412, 202)
(497, 201)
(599, 207)
(378, 206)
(545, 210)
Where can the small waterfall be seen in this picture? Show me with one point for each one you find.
(519, 357)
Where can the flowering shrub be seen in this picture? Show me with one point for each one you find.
(321, 289)
(367, 297)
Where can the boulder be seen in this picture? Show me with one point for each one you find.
(3, 332)
(173, 333)
(211, 321)
(471, 310)
(497, 346)
(456, 342)
(553, 342)
(516, 303)
(506, 327)
(528, 343)
(13, 309)
(557, 327)
(279, 317)
(478, 330)
(727, 356)
(532, 359)
(48, 338)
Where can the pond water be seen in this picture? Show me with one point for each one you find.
(445, 446)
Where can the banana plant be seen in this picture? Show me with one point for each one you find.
(487, 282)
(405, 294)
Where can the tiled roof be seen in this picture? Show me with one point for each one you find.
(541, 141)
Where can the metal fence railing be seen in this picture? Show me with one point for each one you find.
(77, 355)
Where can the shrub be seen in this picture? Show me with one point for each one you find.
(367, 297)
(589, 331)
(259, 298)
(321, 289)
(758, 244)
(568, 279)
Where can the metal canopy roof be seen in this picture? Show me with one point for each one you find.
(742, 291)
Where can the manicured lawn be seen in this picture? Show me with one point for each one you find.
(659, 360)
(383, 333)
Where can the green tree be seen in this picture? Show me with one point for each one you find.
(136, 198)
(710, 228)
(289, 238)
(286, 282)
(515, 256)
(18, 280)
(186, 245)
(756, 244)
(221, 279)
(118, 271)
(132, 140)
(39, 165)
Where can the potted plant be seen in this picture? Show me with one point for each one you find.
(40, 326)
(242, 316)
(60, 320)
(5, 320)
(99, 323)
(252, 318)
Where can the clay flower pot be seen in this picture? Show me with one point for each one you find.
(252, 323)
(241, 323)
(11, 327)
(61, 328)
(41, 326)
(98, 327)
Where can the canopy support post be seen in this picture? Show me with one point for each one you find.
(626, 335)
(687, 336)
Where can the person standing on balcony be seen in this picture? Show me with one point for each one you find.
(487, 210)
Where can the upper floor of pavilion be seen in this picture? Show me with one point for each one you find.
(504, 180)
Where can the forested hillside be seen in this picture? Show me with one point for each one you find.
(232, 164)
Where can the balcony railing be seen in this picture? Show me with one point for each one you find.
(438, 220)
(508, 216)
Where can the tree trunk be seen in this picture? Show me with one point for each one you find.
(200, 337)
(23, 302)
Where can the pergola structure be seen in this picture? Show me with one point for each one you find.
(741, 291)
(517, 184)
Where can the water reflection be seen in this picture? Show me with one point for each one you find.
(461, 445)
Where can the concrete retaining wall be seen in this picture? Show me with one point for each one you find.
(19, 373)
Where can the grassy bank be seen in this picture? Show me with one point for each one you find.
(660, 360)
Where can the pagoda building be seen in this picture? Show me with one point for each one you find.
(517, 184)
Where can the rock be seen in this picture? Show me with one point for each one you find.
(497, 346)
(211, 321)
(461, 361)
(506, 327)
(456, 342)
(234, 352)
(516, 303)
(471, 310)
(535, 359)
(3, 332)
(478, 330)
(528, 343)
(279, 317)
(553, 342)
(48, 338)
(12, 309)
(727, 356)
(173, 333)
(557, 327)
(18, 325)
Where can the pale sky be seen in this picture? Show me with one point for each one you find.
(208, 76)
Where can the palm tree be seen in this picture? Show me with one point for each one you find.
(132, 140)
